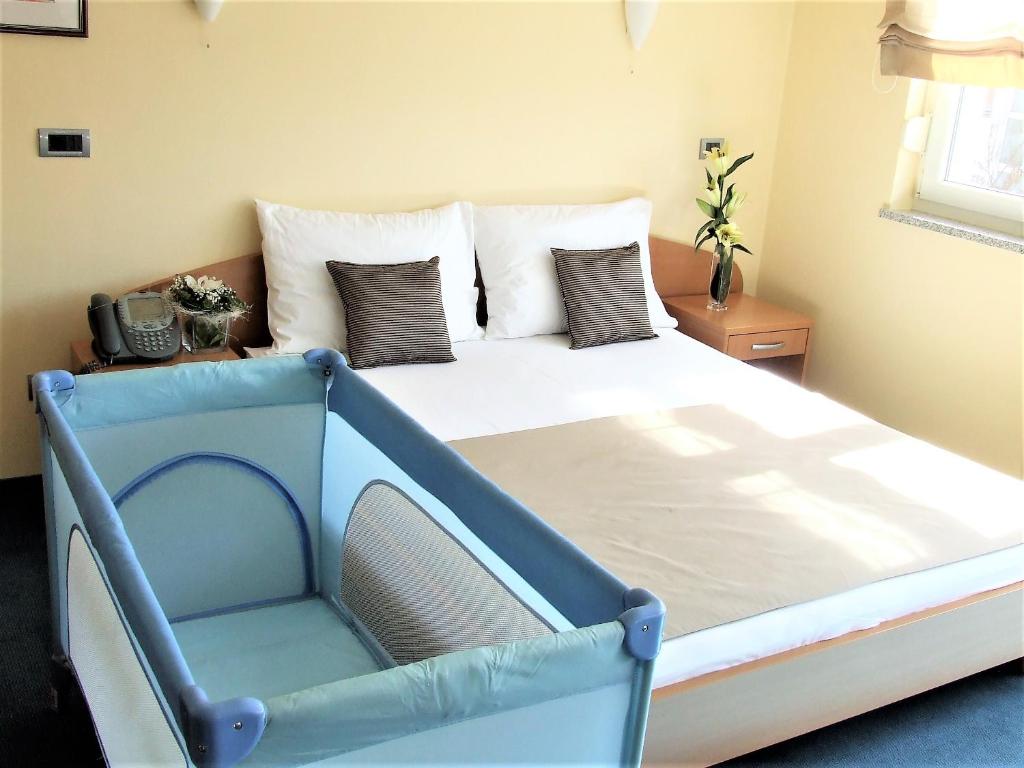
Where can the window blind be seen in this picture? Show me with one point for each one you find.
(972, 42)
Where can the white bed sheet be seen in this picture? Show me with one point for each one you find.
(504, 386)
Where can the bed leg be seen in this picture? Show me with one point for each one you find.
(76, 727)
(63, 687)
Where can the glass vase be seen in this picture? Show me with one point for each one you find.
(721, 278)
(204, 332)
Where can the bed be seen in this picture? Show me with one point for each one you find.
(724, 689)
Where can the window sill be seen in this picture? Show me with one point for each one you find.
(955, 229)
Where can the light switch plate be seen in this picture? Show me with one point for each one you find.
(706, 145)
(65, 142)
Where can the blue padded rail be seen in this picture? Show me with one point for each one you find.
(158, 393)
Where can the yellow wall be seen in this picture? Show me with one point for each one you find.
(347, 106)
(396, 106)
(919, 330)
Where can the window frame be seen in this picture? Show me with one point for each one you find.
(932, 185)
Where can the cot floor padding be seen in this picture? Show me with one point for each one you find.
(265, 652)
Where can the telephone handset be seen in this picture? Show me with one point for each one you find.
(138, 327)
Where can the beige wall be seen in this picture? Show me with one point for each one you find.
(348, 106)
(395, 106)
(919, 330)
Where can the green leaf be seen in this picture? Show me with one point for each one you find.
(738, 163)
(704, 240)
(743, 248)
(728, 195)
(711, 179)
(704, 228)
(706, 207)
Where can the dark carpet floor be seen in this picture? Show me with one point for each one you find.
(974, 722)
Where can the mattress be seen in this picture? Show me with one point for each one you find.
(498, 387)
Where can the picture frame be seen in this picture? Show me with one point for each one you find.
(64, 18)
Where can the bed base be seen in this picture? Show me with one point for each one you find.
(726, 714)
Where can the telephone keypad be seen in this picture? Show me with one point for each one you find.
(151, 341)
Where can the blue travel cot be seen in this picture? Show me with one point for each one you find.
(265, 562)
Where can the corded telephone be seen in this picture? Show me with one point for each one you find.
(139, 327)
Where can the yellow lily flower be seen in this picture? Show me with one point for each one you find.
(729, 234)
(735, 204)
(713, 194)
(718, 159)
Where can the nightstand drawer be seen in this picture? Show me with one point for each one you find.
(754, 346)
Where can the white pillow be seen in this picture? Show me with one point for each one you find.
(303, 309)
(513, 246)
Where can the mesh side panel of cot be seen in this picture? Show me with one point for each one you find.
(417, 589)
(129, 719)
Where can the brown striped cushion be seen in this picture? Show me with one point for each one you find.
(393, 313)
(604, 295)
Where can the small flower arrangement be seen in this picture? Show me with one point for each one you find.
(720, 203)
(205, 307)
(204, 294)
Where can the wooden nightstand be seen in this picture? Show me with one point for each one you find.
(760, 333)
(81, 354)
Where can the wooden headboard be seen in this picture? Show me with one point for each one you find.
(677, 268)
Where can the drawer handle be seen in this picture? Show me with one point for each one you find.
(767, 347)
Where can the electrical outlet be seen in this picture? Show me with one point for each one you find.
(706, 145)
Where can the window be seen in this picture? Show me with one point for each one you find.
(974, 160)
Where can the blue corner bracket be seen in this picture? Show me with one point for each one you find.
(327, 360)
(59, 384)
(220, 734)
(644, 620)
